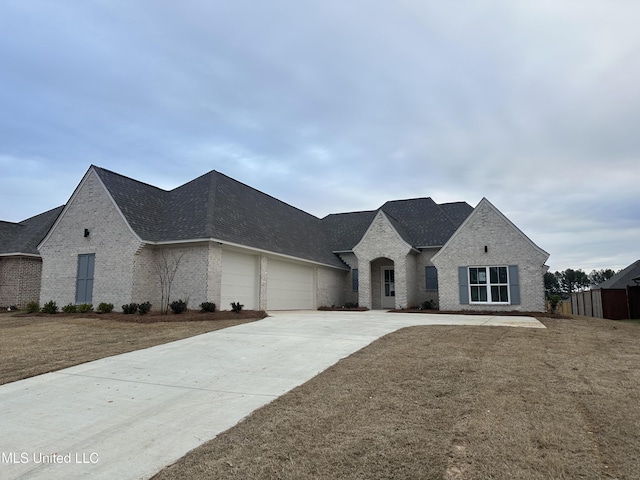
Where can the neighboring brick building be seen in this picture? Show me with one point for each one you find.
(20, 263)
(231, 242)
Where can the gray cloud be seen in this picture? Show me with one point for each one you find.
(337, 106)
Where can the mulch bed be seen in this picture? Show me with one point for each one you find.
(155, 317)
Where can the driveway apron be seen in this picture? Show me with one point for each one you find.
(129, 415)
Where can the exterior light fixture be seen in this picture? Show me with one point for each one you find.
(486, 249)
(86, 232)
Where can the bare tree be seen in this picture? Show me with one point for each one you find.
(166, 265)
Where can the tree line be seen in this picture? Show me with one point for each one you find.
(568, 281)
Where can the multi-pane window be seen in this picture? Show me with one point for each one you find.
(489, 284)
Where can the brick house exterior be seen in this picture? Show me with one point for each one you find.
(20, 262)
(230, 242)
(486, 240)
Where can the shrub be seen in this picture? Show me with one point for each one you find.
(427, 305)
(236, 307)
(554, 302)
(208, 307)
(178, 306)
(350, 305)
(50, 307)
(129, 308)
(105, 307)
(85, 308)
(33, 307)
(144, 308)
(70, 308)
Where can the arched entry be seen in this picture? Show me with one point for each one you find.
(383, 285)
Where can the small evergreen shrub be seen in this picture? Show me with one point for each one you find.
(144, 308)
(105, 307)
(33, 307)
(50, 307)
(350, 305)
(129, 308)
(427, 305)
(70, 308)
(208, 307)
(84, 308)
(178, 306)
(236, 307)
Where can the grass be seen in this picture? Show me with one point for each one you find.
(432, 402)
(451, 403)
(35, 344)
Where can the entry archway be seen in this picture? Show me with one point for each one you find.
(383, 285)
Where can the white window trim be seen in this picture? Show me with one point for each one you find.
(488, 285)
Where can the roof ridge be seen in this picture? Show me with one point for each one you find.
(97, 168)
(266, 194)
(211, 202)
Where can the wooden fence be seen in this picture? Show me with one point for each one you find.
(614, 303)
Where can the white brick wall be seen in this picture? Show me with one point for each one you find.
(110, 238)
(381, 241)
(330, 286)
(506, 245)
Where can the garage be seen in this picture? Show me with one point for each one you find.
(290, 286)
(240, 280)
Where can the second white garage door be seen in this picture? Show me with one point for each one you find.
(290, 286)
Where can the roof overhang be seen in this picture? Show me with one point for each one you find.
(20, 254)
(241, 247)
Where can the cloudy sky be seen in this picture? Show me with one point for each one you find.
(336, 106)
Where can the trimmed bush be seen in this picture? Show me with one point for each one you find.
(84, 308)
(427, 305)
(129, 308)
(33, 307)
(208, 307)
(178, 306)
(236, 307)
(50, 307)
(144, 308)
(70, 308)
(105, 307)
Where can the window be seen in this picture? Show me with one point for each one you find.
(354, 279)
(431, 278)
(489, 284)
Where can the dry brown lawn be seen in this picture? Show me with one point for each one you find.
(32, 345)
(433, 402)
(451, 403)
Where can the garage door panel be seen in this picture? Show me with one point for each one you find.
(290, 286)
(239, 280)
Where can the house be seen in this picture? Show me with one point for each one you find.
(617, 298)
(227, 242)
(20, 262)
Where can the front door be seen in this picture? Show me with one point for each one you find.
(388, 288)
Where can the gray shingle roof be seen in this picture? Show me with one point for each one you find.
(623, 278)
(215, 206)
(420, 221)
(24, 237)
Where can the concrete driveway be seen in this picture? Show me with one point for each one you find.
(130, 415)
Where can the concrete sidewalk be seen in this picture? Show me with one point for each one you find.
(130, 415)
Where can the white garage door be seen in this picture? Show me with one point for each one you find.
(290, 286)
(239, 280)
